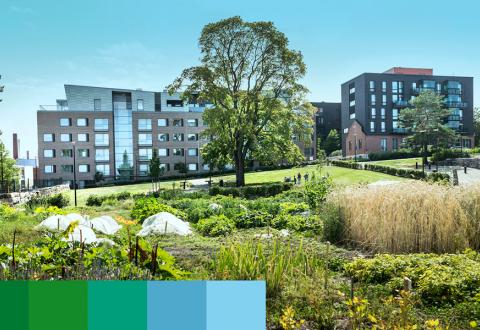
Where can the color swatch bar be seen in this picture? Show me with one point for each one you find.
(139, 305)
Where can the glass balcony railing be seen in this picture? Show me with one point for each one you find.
(453, 91)
(418, 90)
(400, 103)
(400, 130)
(455, 104)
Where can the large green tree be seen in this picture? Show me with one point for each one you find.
(476, 125)
(332, 142)
(425, 120)
(251, 76)
(8, 171)
(155, 170)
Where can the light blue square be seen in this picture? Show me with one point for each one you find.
(236, 305)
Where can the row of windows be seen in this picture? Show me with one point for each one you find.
(100, 154)
(97, 104)
(143, 124)
(143, 169)
(383, 144)
(397, 86)
(146, 153)
(101, 139)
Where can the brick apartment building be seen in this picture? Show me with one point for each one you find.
(114, 132)
(371, 103)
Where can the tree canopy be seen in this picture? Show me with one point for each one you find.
(8, 171)
(251, 77)
(425, 120)
(332, 142)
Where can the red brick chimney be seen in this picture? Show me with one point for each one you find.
(15, 146)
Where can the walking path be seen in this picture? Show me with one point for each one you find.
(472, 176)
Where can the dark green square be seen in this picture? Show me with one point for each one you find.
(14, 305)
(58, 305)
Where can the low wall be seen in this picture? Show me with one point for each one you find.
(468, 162)
(23, 197)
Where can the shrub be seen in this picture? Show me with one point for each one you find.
(316, 190)
(252, 219)
(410, 217)
(265, 190)
(385, 155)
(401, 172)
(95, 200)
(336, 153)
(58, 200)
(215, 226)
(146, 207)
(437, 279)
(347, 164)
(43, 212)
(6, 211)
(443, 154)
(195, 209)
(297, 222)
(121, 196)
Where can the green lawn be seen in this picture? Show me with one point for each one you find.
(400, 163)
(341, 176)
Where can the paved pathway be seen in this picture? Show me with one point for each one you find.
(472, 176)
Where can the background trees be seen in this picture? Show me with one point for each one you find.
(426, 122)
(251, 76)
(8, 171)
(155, 170)
(332, 142)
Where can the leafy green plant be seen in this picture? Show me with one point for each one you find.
(316, 190)
(216, 225)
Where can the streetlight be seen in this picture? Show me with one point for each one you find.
(74, 174)
(355, 135)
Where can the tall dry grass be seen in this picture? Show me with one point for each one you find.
(410, 217)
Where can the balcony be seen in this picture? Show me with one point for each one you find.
(453, 91)
(400, 130)
(400, 104)
(419, 90)
(455, 104)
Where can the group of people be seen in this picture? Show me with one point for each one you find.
(296, 179)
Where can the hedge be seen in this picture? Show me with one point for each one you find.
(443, 154)
(399, 154)
(265, 190)
(347, 164)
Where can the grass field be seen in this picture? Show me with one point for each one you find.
(400, 163)
(341, 176)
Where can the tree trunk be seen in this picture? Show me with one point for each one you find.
(239, 168)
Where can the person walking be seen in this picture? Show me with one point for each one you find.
(299, 177)
(306, 177)
(294, 180)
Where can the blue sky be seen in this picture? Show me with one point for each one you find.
(146, 44)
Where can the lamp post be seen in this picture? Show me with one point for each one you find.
(74, 174)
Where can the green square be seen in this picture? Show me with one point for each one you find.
(58, 305)
(117, 305)
(14, 305)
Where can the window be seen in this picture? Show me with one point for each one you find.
(49, 169)
(350, 145)
(83, 153)
(372, 86)
(144, 154)
(177, 151)
(143, 169)
(352, 116)
(373, 113)
(140, 105)
(193, 167)
(372, 99)
(48, 137)
(384, 86)
(395, 114)
(163, 122)
(67, 168)
(97, 105)
(352, 88)
(359, 144)
(103, 168)
(101, 124)
(192, 122)
(48, 153)
(178, 122)
(165, 167)
(382, 113)
(345, 130)
(384, 99)
(82, 137)
(67, 152)
(383, 144)
(82, 122)
(145, 124)
(101, 140)
(83, 168)
(66, 137)
(178, 137)
(352, 103)
(102, 155)
(192, 137)
(206, 167)
(394, 143)
(383, 126)
(163, 152)
(144, 139)
(372, 126)
(163, 137)
(192, 151)
(394, 124)
(65, 122)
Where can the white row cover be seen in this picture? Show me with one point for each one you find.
(164, 223)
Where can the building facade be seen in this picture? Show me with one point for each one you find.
(113, 133)
(371, 103)
(327, 117)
